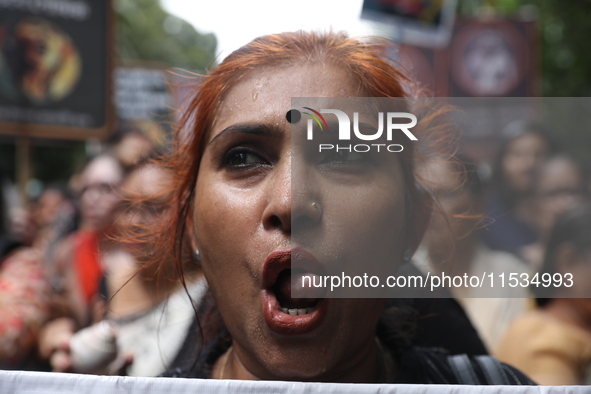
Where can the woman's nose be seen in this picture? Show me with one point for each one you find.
(277, 212)
(294, 203)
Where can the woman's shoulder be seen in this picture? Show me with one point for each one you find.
(421, 365)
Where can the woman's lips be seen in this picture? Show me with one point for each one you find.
(296, 259)
(286, 324)
(284, 320)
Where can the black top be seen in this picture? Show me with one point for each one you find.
(415, 364)
(439, 322)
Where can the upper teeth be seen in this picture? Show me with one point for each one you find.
(296, 311)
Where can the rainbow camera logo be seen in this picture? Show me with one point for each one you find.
(317, 116)
(294, 116)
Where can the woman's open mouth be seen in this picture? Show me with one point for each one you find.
(284, 314)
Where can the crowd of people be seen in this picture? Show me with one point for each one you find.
(172, 258)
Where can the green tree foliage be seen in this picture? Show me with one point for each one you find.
(146, 32)
(566, 59)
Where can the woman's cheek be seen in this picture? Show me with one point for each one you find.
(224, 222)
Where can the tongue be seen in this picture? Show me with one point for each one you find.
(283, 291)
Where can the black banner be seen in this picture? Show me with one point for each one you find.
(55, 71)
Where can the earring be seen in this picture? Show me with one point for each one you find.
(406, 255)
(197, 256)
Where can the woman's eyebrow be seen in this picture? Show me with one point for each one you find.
(247, 128)
(367, 126)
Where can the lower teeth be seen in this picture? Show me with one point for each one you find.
(296, 311)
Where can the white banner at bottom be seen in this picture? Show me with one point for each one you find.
(60, 383)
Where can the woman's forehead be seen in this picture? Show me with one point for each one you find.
(264, 95)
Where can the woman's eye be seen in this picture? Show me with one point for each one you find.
(343, 156)
(241, 157)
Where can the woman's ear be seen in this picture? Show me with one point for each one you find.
(420, 215)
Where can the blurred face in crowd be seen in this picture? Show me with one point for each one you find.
(560, 185)
(522, 157)
(133, 148)
(145, 196)
(243, 212)
(98, 196)
(25, 224)
(48, 206)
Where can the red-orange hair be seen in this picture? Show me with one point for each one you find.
(369, 62)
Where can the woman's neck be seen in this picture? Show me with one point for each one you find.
(368, 368)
